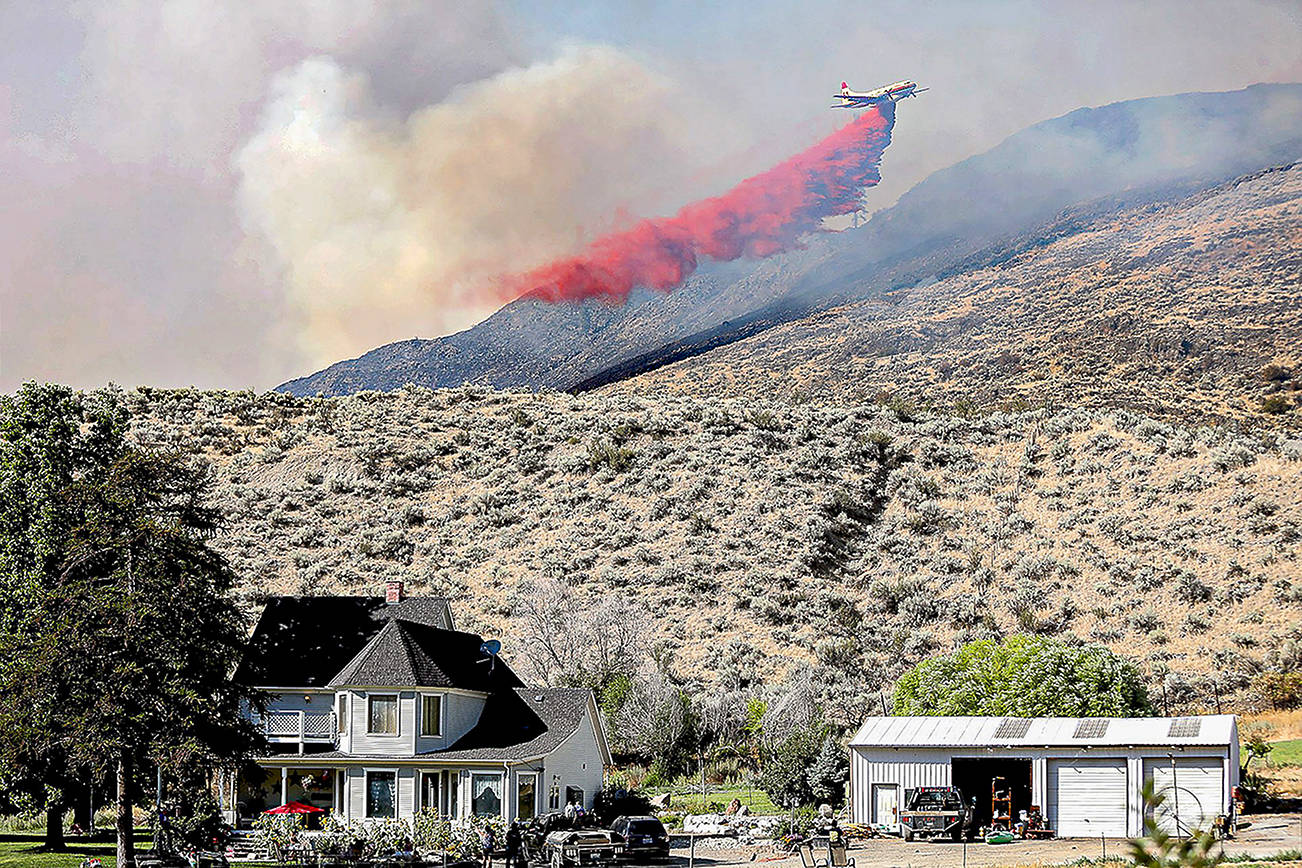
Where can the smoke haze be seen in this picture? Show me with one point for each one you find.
(224, 193)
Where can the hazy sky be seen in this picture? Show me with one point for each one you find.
(227, 193)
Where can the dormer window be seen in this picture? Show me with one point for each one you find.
(382, 715)
(431, 715)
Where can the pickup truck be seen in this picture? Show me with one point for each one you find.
(580, 847)
(934, 812)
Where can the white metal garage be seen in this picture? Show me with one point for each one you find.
(1086, 774)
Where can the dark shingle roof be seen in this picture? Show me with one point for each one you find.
(521, 723)
(305, 641)
(406, 654)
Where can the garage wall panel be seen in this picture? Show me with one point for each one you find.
(906, 768)
(1192, 788)
(1087, 797)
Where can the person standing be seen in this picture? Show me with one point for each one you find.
(488, 840)
(513, 845)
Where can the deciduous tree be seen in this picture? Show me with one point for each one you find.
(1024, 676)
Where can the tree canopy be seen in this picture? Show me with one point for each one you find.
(1024, 676)
(117, 631)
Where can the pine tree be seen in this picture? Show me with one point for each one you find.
(829, 774)
(118, 633)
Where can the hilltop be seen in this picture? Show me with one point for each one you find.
(761, 535)
(1094, 160)
(1186, 309)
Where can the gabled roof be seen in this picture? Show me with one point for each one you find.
(305, 641)
(407, 654)
(1211, 729)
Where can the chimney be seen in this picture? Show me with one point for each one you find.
(393, 594)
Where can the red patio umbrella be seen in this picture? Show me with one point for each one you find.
(295, 808)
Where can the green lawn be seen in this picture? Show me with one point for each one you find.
(688, 800)
(17, 850)
(1286, 753)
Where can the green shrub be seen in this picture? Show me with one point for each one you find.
(603, 454)
(1275, 404)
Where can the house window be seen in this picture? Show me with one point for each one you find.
(431, 714)
(486, 795)
(382, 715)
(429, 791)
(574, 796)
(380, 801)
(342, 713)
(526, 796)
(454, 789)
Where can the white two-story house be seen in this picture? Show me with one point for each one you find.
(378, 707)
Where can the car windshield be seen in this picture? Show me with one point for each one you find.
(934, 801)
(645, 827)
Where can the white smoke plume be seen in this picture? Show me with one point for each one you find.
(386, 229)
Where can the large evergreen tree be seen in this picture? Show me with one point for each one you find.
(117, 632)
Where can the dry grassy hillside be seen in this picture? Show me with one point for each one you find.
(855, 538)
(1188, 310)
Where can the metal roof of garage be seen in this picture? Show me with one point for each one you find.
(1211, 729)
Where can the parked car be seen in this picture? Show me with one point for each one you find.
(934, 812)
(643, 837)
(576, 847)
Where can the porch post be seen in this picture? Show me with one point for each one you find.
(302, 730)
(284, 785)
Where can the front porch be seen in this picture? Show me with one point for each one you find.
(375, 788)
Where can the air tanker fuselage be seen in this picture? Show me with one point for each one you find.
(865, 99)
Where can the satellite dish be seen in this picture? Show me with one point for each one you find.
(491, 647)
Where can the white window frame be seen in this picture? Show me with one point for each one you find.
(397, 717)
(470, 800)
(342, 709)
(443, 715)
(366, 791)
(519, 776)
(438, 776)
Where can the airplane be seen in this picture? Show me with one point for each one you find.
(853, 99)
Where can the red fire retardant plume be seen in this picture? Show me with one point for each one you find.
(759, 217)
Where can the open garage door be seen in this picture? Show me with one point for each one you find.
(1193, 788)
(1087, 797)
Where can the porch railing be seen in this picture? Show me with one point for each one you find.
(300, 726)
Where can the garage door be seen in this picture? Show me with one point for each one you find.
(1192, 787)
(1087, 797)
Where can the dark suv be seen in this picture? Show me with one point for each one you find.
(643, 837)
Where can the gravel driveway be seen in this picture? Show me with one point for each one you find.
(1262, 835)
